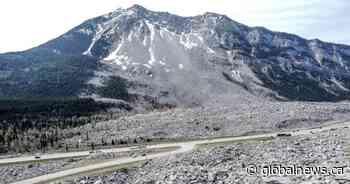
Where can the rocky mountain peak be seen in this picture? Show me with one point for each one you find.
(137, 10)
(137, 7)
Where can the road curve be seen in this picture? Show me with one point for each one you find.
(183, 147)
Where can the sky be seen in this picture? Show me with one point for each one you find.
(29, 23)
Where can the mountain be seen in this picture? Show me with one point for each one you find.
(138, 55)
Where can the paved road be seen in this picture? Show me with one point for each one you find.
(54, 156)
(183, 147)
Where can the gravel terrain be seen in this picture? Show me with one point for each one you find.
(242, 117)
(227, 164)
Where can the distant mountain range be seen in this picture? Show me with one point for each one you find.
(135, 53)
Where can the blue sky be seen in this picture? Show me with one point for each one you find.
(25, 24)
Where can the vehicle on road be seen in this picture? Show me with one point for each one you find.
(284, 134)
(95, 151)
(37, 156)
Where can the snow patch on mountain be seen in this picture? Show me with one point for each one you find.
(115, 54)
(85, 31)
(147, 66)
(95, 39)
(56, 51)
(237, 75)
(162, 63)
(181, 66)
(318, 53)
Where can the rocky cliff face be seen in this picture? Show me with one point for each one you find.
(179, 60)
